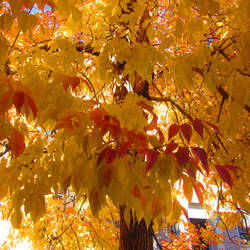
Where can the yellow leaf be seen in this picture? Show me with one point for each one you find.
(17, 199)
(76, 180)
(156, 206)
(6, 21)
(187, 188)
(96, 200)
(27, 21)
(3, 187)
(17, 142)
(41, 188)
(37, 207)
(16, 218)
(3, 51)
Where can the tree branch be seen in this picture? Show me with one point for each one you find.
(168, 99)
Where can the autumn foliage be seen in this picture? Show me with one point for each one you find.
(143, 102)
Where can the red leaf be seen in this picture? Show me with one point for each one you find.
(110, 155)
(114, 130)
(173, 130)
(74, 82)
(151, 159)
(201, 154)
(124, 147)
(186, 131)
(213, 126)
(182, 156)
(135, 191)
(198, 127)
(101, 156)
(18, 100)
(17, 143)
(224, 174)
(141, 140)
(232, 167)
(191, 170)
(170, 147)
(30, 102)
(198, 191)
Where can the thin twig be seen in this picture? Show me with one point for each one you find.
(157, 242)
(13, 44)
(78, 243)
(57, 237)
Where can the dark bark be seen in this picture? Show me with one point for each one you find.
(136, 236)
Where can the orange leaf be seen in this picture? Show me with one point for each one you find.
(31, 104)
(70, 81)
(124, 147)
(187, 188)
(197, 187)
(74, 82)
(184, 210)
(160, 134)
(135, 191)
(146, 106)
(17, 143)
(153, 124)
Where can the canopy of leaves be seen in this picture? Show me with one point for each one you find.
(140, 101)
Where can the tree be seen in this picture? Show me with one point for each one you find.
(140, 101)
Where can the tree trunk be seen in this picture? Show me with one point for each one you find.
(136, 236)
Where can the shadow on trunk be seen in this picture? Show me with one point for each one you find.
(136, 235)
